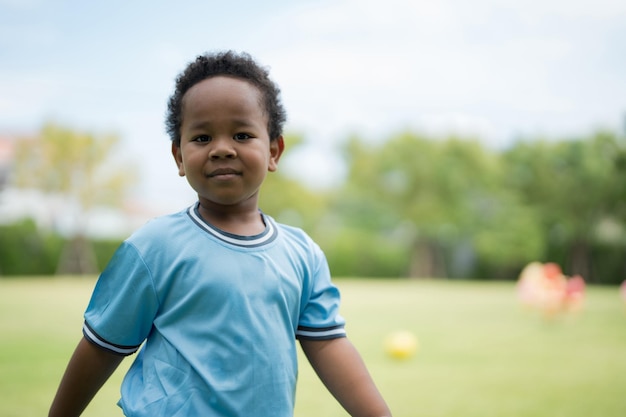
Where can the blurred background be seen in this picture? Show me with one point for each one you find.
(442, 138)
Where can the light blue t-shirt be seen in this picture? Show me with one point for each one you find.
(219, 315)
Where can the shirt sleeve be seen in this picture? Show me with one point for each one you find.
(123, 304)
(320, 318)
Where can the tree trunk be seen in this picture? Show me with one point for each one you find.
(77, 258)
(579, 261)
(427, 261)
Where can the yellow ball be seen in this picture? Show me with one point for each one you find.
(401, 344)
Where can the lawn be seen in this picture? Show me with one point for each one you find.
(481, 354)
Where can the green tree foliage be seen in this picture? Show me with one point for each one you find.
(24, 250)
(411, 205)
(436, 196)
(577, 188)
(77, 169)
(27, 250)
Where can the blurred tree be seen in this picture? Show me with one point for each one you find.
(24, 250)
(77, 169)
(577, 186)
(288, 200)
(437, 194)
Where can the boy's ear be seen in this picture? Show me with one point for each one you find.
(178, 157)
(277, 146)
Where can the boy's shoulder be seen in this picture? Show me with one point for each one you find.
(290, 230)
(295, 235)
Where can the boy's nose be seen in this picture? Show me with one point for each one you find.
(222, 148)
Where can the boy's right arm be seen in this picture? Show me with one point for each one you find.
(88, 369)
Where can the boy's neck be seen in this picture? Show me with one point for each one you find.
(247, 222)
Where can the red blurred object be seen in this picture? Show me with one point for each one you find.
(552, 271)
(545, 288)
(575, 292)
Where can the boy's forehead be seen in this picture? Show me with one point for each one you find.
(221, 96)
(223, 84)
(225, 81)
(224, 88)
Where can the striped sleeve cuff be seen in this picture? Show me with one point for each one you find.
(324, 333)
(94, 338)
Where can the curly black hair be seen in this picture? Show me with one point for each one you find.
(229, 63)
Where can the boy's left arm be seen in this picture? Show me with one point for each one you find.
(341, 369)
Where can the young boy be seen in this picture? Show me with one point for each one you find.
(219, 292)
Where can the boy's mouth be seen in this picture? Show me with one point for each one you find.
(223, 172)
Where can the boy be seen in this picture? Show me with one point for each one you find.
(219, 292)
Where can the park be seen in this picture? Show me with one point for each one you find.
(481, 352)
(478, 349)
(460, 164)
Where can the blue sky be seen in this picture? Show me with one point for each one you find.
(492, 68)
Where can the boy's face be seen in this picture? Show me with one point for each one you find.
(225, 150)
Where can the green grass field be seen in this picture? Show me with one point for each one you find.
(480, 353)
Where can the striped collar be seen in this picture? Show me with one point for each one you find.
(265, 237)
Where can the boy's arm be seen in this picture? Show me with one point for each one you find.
(88, 369)
(341, 369)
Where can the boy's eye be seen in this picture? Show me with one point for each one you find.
(242, 136)
(202, 138)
